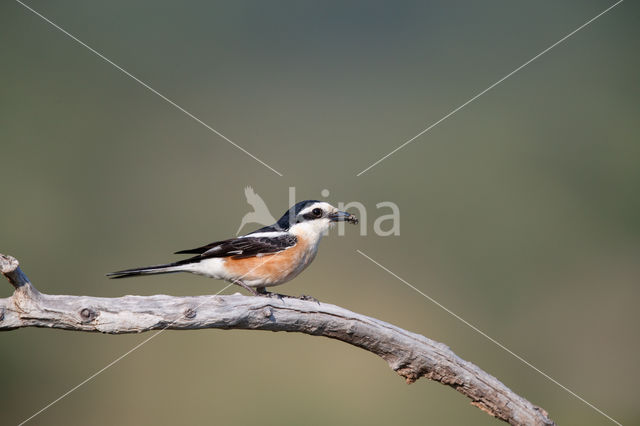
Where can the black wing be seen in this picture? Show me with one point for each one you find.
(239, 248)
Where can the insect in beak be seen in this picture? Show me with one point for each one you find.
(343, 217)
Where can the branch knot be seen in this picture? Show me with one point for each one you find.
(88, 315)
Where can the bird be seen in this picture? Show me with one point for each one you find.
(267, 257)
(260, 213)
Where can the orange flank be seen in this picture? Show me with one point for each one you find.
(274, 268)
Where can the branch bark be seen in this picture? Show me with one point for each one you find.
(410, 355)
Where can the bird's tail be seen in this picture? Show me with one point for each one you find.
(167, 268)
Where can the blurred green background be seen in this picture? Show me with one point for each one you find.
(520, 213)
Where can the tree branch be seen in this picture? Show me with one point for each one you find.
(410, 355)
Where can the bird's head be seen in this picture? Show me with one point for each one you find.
(313, 217)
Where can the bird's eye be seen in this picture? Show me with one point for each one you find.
(317, 212)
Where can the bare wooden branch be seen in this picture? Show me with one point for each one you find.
(410, 355)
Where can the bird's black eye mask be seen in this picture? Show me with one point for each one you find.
(316, 213)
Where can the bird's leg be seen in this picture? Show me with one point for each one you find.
(246, 287)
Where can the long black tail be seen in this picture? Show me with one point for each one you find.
(167, 268)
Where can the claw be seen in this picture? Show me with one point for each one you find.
(309, 298)
(261, 291)
(276, 295)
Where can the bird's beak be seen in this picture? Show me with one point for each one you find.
(343, 217)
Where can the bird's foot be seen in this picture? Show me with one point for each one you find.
(309, 298)
(277, 296)
(261, 291)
